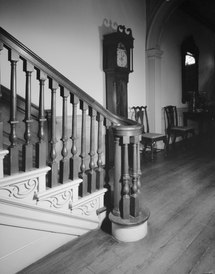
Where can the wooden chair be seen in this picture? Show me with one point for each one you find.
(149, 139)
(172, 127)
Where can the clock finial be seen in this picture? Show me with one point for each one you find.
(122, 29)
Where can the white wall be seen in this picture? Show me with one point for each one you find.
(68, 35)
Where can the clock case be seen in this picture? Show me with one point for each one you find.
(116, 77)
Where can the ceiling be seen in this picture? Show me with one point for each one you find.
(202, 10)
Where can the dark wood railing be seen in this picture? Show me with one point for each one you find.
(82, 154)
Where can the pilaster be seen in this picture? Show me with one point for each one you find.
(153, 96)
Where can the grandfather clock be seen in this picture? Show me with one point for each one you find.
(117, 64)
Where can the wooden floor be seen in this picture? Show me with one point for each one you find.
(180, 192)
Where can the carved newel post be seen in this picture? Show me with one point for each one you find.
(129, 221)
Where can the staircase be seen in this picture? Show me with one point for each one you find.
(59, 174)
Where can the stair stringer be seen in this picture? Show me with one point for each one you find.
(34, 221)
(29, 232)
(27, 190)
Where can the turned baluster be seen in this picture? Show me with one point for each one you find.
(83, 186)
(92, 174)
(74, 161)
(28, 147)
(53, 179)
(125, 179)
(100, 171)
(13, 148)
(117, 176)
(64, 163)
(1, 132)
(1, 123)
(138, 167)
(41, 145)
(134, 189)
(1, 48)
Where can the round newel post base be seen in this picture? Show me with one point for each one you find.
(132, 229)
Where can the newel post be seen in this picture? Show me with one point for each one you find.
(129, 220)
(1, 122)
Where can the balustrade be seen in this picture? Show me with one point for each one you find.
(86, 155)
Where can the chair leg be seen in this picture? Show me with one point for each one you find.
(185, 140)
(168, 139)
(152, 152)
(144, 147)
(166, 146)
(174, 139)
(194, 134)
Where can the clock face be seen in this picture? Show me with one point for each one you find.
(122, 59)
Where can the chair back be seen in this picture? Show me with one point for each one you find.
(140, 116)
(170, 117)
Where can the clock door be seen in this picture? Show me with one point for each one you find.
(121, 97)
(116, 93)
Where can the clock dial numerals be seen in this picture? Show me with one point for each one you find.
(122, 60)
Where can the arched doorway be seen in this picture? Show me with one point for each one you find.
(157, 18)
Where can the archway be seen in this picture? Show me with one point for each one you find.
(157, 19)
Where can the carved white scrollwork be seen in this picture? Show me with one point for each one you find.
(21, 190)
(87, 209)
(60, 200)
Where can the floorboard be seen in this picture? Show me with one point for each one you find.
(179, 190)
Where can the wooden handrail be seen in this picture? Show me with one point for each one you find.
(11, 42)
